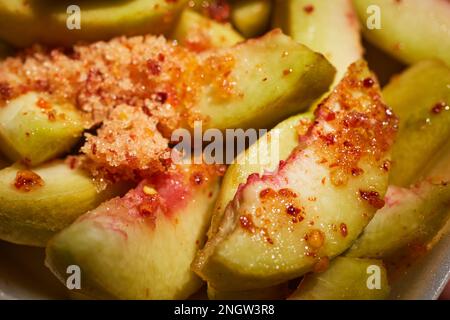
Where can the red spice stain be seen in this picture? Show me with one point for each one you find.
(149, 207)
(198, 40)
(287, 72)
(329, 139)
(247, 223)
(321, 265)
(373, 197)
(27, 180)
(295, 213)
(315, 239)
(343, 229)
(197, 178)
(5, 91)
(267, 193)
(219, 10)
(154, 67)
(94, 149)
(308, 8)
(439, 107)
(357, 172)
(269, 240)
(386, 165)
(285, 192)
(72, 162)
(283, 200)
(327, 114)
(43, 104)
(161, 97)
(368, 82)
(51, 115)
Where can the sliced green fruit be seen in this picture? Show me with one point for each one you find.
(410, 216)
(51, 204)
(34, 130)
(140, 246)
(388, 24)
(24, 23)
(273, 78)
(251, 17)
(263, 156)
(280, 225)
(198, 32)
(328, 27)
(272, 293)
(421, 99)
(346, 279)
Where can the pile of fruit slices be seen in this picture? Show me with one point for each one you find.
(268, 224)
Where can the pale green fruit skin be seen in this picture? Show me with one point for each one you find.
(33, 217)
(192, 27)
(412, 215)
(429, 20)
(266, 93)
(234, 259)
(258, 158)
(147, 263)
(23, 24)
(251, 17)
(27, 134)
(345, 279)
(331, 28)
(415, 215)
(271, 293)
(422, 133)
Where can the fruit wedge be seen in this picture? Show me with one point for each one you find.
(273, 77)
(263, 156)
(388, 24)
(346, 279)
(411, 216)
(328, 27)
(281, 225)
(199, 33)
(33, 129)
(24, 23)
(421, 99)
(251, 17)
(36, 204)
(141, 246)
(272, 293)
